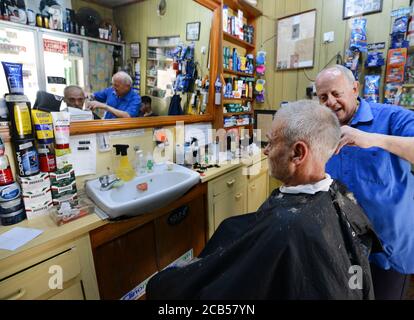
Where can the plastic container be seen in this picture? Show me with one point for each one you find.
(63, 216)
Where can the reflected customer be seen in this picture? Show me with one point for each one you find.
(74, 97)
(118, 101)
(146, 109)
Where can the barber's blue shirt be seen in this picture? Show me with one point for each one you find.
(382, 183)
(131, 102)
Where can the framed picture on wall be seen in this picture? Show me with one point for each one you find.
(135, 49)
(193, 31)
(354, 8)
(295, 41)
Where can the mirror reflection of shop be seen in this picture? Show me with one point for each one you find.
(64, 63)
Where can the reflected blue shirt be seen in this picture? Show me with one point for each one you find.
(382, 183)
(131, 102)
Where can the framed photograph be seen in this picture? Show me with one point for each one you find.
(193, 31)
(354, 8)
(135, 50)
(295, 41)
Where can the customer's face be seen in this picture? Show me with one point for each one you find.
(121, 88)
(338, 94)
(75, 98)
(278, 154)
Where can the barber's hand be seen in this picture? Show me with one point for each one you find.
(93, 105)
(355, 138)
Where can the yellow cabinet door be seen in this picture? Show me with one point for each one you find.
(229, 204)
(74, 292)
(257, 190)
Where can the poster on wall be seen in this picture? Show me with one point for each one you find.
(295, 42)
(75, 48)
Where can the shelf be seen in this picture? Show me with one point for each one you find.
(241, 126)
(238, 99)
(238, 73)
(231, 114)
(26, 27)
(408, 85)
(248, 10)
(235, 40)
(160, 60)
(164, 46)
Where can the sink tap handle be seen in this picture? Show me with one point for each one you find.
(104, 180)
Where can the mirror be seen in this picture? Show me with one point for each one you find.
(141, 23)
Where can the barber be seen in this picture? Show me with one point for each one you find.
(374, 161)
(118, 101)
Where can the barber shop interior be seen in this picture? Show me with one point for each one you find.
(207, 150)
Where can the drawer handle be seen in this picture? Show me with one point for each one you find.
(253, 187)
(17, 295)
(238, 196)
(231, 182)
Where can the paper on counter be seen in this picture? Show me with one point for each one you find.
(83, 156)
(17, 237)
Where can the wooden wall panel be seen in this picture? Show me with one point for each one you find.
(291, 85)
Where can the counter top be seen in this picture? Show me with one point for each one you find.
(212, 173)
(52, 233)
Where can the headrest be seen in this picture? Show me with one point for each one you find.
(47, 102)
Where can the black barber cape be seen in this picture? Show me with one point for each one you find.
(294, 247)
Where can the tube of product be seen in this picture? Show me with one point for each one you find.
(14, 77)
(61, 126)
(43, 125)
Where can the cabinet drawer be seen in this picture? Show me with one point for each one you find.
(229, 181)
(33, 283)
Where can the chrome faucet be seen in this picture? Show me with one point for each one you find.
(106, 184)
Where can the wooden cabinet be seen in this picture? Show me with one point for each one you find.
(257, 186)
(227, 197)
(128, 252)
(62, 273)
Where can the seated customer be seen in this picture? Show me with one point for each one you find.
(146, 109)
(75, 97)
(307, 239)
(118, 101)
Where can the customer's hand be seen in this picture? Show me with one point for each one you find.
(356, 138)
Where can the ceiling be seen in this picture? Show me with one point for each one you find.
(114, 3)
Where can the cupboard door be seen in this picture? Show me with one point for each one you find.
(74, 292)
(257, 190)
(229, 204)
(180, 231)
(125, 262)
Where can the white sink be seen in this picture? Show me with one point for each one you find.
(164, 186)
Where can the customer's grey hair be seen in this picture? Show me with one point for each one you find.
(343, 70)
(312, 123)
(70, 88)
(124, 77)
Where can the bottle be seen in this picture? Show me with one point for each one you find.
(82, 31)
(124, 171)
(140, 164)
(150, 162)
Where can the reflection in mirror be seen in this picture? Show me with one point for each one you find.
(165, 68)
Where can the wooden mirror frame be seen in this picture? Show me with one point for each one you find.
(97, 126)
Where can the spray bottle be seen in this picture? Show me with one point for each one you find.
(124, 170)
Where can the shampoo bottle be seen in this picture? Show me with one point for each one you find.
(124, 170)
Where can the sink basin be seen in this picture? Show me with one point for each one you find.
(164, 186)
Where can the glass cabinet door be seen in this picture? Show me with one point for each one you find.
(18, 45)
(63, 62)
